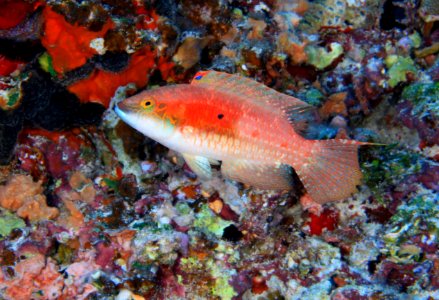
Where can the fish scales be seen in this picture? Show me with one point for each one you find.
(244, 125)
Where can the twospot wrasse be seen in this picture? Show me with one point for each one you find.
(247, 126)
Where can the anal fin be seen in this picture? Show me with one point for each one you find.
(199, 165)
(263, 176)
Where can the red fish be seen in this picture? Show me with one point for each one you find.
(249, 128)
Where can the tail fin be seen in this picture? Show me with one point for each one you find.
(332, 171)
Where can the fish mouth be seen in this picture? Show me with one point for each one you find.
(122, 110)
(122, 106)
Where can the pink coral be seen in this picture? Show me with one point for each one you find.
(32, 275)
(36, 209)
(83, 187)
(23, 195)
(122, 240)
(72, 216)
(82, 190)
(77, 284)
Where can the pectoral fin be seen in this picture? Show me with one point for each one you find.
(214, 162)
(199, 165)
(263, 176)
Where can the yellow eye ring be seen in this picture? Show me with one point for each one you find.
(147, 104)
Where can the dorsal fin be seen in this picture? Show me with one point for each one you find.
(255, 92)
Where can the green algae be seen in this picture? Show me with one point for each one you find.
(10, 98)
(112, 184)
(207, 222)
(418, 216)
(64, 255)
(416, 39)
(223, 289)
(221, 276)
(398, 67)
(312, 96)
(157, 244)
(9, 222)
(13, 98)
(321, 58)
(313, 255)
(424, 97)
(152, 226)
(46, 64)
(183, 208)
(237, 14)
(388, 165)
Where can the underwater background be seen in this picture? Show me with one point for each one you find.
(92, 209)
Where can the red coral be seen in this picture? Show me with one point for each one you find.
(67, 44)
(401, 276)
(434, 272)
(242, 281)
(349, 294)
(259, 285)
(167, 68)
(32, 160)
(142, 206)
(34, 275)
(328, 219)
(121, 242)
(148, 19)
(7, 66)
(222, 209)
(104, 254)
(380, 214)
(13, 13)
(170, 285)
(100, 85)
(62, 150)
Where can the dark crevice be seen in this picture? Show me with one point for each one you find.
(232, 234)
(393, 16)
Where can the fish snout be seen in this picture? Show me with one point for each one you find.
(122, 109)
(122, 106)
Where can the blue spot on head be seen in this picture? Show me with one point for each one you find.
(198, 77)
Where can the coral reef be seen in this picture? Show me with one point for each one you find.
(91, 209)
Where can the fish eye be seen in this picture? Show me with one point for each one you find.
(147, 104)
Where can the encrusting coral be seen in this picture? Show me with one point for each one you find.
(24, 196)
